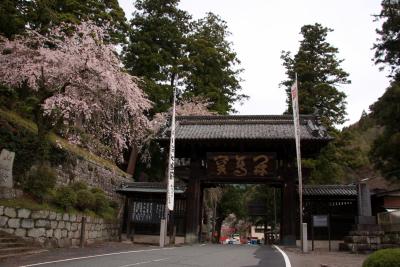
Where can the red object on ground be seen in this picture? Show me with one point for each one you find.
(222, 239)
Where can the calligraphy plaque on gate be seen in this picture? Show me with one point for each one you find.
(241, 165)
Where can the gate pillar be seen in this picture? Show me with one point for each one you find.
(193, 199)
(289, 211)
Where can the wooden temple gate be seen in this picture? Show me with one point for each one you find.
(242, 149)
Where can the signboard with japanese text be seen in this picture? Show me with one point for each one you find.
(246, 165)
(147, 212)
(320, 220)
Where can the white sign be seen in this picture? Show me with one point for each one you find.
(6, 165)
(320, 220)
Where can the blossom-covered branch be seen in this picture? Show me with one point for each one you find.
(79, 79)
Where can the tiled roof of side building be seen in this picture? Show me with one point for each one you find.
(262, 127)
(330, 190)
(149, 187)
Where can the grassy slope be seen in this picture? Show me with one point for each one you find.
(58, 141)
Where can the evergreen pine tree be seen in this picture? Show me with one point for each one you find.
(319, 75)
(212, 64)
(156, 48)
(41, 15)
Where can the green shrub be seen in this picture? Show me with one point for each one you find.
(383, 258)
(96, 190)
(101, 202)
(65, 197)
(40, 181)
(79, 186)
(108, 214)
(85, 200)
(114, 204)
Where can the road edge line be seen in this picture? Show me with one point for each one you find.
(93, 256)
(144, 262)
(285, 257)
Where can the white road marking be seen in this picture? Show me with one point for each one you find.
(94, 256)
(202, 245)
(143, 262)
(285, 257)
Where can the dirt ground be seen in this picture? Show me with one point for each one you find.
(324, 258)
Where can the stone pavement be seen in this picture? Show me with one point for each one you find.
(322, 257)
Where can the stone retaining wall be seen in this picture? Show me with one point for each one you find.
(93, 174)
(52, 229)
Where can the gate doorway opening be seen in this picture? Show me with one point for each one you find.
(241, 213)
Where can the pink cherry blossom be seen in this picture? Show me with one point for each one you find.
(84, 81)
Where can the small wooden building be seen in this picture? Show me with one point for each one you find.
(145, 207)
(339, 202)
(385, 200)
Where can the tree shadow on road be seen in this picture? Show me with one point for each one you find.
(268, 256)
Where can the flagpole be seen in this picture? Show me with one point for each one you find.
(296, 121)
(300, 179)
(169, 202)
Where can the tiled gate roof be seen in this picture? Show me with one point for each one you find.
(233, 127)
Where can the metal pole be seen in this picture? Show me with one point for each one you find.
(312, 232)
(329, 231)
(298, 153)
(274, 210)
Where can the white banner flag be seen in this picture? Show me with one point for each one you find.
(171, 161)
(296, 121)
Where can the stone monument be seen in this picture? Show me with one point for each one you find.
(366, 234)
(6, 166)
(364, 205)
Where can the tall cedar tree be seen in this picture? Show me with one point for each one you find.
(319, 75)
(41, 15)
(386, 110)
(211, 64)
(168, 50)
(155, 52)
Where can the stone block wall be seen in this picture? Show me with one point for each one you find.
(93, 174)
(52, 229)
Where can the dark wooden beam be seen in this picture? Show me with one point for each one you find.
(193, 193)
(289, 208)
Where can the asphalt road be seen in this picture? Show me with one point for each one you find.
(187, 256)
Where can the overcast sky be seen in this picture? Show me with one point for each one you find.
(261, 29)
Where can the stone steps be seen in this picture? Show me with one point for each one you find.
(12, 246)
